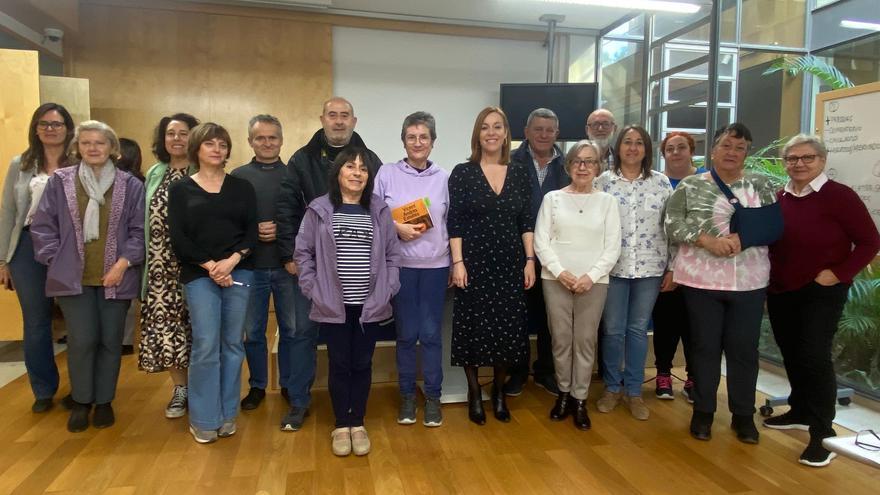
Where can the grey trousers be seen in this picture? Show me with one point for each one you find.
(94, 343)
(574, 325)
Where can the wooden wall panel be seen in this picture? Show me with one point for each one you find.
(144, 63)
(19, 97)
(71, 92)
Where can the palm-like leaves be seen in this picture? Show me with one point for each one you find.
(812, 65)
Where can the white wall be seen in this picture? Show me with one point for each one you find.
(387, 75)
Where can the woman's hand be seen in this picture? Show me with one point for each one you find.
(567, 279)
(224, 281)
(224, 267)
(113, 277)
(459, 275)
(826, 278)
(529, 274)
(409, 232)
(583, 284)
(718, 246)
(6, 277)
(667, 285)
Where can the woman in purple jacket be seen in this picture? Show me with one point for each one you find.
(89, 230)
(424, 271)
(348, 255)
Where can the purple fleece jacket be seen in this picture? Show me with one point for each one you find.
(398, 184)
(57, 233)
(315, 256)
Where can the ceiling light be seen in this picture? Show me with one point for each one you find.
(870, 26)
(655, 5)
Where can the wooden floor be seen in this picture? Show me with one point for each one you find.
(144, 453)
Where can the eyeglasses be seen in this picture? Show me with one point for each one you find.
(588, 162)
(868, 440)
(740, 150)
(54, 125)
(793, 159)
(413, 139)
(600, 125)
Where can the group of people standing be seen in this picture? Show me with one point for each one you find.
(582, 248)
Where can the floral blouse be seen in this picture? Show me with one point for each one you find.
(644, 251)
(698, 206)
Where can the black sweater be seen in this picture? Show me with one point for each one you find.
(211, 226)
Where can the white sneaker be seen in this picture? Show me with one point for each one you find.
(360, 442)
(203, 436)
(227, 430)
(341, 441)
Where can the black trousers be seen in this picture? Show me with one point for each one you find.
(671, 323)
(804, 323)
(728, 322)
(537, 320)
(350, 349)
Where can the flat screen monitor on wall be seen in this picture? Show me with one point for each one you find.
(572, 102)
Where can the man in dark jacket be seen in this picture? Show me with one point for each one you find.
(306, 179)
(311, 162)
(545, 163)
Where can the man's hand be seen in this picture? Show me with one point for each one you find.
(266, 231)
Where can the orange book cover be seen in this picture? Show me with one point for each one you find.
(414, 212)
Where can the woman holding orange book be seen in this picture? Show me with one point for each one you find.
(424, 266)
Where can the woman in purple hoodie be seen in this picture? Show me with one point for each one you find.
(348, 255)
(424, 272)
(89, 230)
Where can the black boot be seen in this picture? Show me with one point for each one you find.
(562, 408)
(475, 408)
(103, 416)
(79, 417)
(499, 405)
(701, 425)
(581, 418)
(744, 426)
(475, 396)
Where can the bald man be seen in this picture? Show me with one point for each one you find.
(601, 129)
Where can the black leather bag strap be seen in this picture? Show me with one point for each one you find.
(731, 198)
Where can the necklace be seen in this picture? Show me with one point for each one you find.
(580, 204)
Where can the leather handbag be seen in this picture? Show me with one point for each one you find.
(759, 226)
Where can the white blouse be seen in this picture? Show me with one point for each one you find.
(36, 186)
(579, 233)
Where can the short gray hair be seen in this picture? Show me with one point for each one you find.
(573, 153)
(419, 118)
(96, 125)
(814, 141)
(264, 118)
(542, 113)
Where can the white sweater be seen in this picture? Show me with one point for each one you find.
(587, 242)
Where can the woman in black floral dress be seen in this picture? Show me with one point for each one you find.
(490, 236)
(166, 335)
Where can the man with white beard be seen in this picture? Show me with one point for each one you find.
(600, 130)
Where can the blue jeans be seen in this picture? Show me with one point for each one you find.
(29, 279)
(280, 284)
(217, 315)
(302, 352)
(418, 313)
(626, 317)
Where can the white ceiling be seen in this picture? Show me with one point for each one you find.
(491, 13)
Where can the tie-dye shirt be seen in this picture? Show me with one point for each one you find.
(698, 206)
(643, 251)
